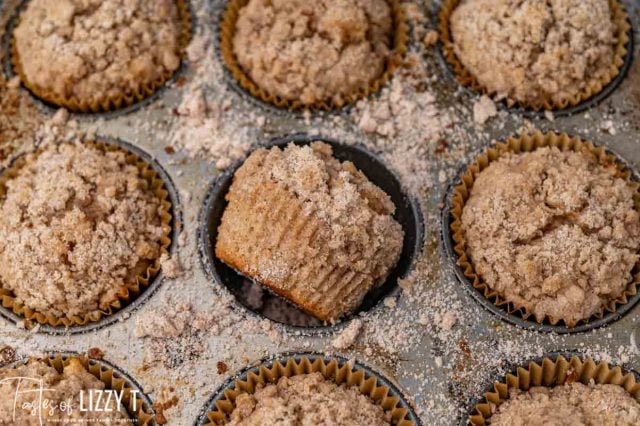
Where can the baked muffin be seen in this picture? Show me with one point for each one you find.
(312, 229)
(571, 404)
(26, 409)
(536, 52)
(78, 225)
(307, 399)
(91, 55)
(313, 52)
(555, 233)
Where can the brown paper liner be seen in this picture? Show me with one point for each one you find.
(552, 372)
(467, 79)
(109, 103)
(227, 32)
(332, 370)
(128, 291)
(528, 143)
(112, 380)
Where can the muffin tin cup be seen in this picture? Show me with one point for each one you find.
(242, 82)
(554, 369)
(588, 98)
(455, 246)
(113, 379)
(121, 103)
(408, 214)
(335, 368)
(130, 295)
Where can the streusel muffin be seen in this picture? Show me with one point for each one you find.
(556, 233)
(537, 53)
(59, 401)
(91, 55)
(570, 404)
(79, 225)
(307, 399)
(314, 52)
(312, 229)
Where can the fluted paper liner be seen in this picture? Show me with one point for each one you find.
(467, 79)
(128, 291)
(552, 372)
(227, 32)
(528, 143)
(113, 102)
(331, 370)
(111, 379)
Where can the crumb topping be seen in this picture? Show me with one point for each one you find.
(575, 404)
(76, 225)
(95, 49)
(313, 51)
(555, 232)
(26, 380)
(315, 230)
(532, 51)
(19, 120)
(307, 399)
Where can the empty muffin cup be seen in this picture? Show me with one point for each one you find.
(134, 401)
(242, 79)
(457, 248)
(113, 100)
(267, 304)
(588, 95)
(130, 292)
(337, 369)
(556, 369)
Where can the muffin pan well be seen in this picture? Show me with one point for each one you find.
(268, 305)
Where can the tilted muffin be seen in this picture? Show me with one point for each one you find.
(78, 225)
(536, 52)
(570, 404)
(554, 232)
(326, 50)
(59, 401)
(312, 229)
(307, 399)
(89, 55)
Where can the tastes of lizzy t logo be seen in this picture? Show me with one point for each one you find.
(29, 400)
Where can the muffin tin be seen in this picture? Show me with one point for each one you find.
(414, 370)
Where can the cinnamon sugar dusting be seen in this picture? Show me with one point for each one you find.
(95, 50)
(313, 51)
(307, 399)
(554, 232)
(76, 225)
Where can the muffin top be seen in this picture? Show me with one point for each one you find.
(76, 225)
(94, 50)
(65, 388)
(312, 228)
(19, 121)
(554, 232)
(307, 399)
(533, 51)
(313, 51)
(572, 404)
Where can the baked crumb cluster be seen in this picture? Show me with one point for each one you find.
(97, 49)
(313, 51)
(76, 225)
(309, 227)
(574, 404)
(25, 381)
(554, 232)
(532, 51)
(19, 120)
(307, 399)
